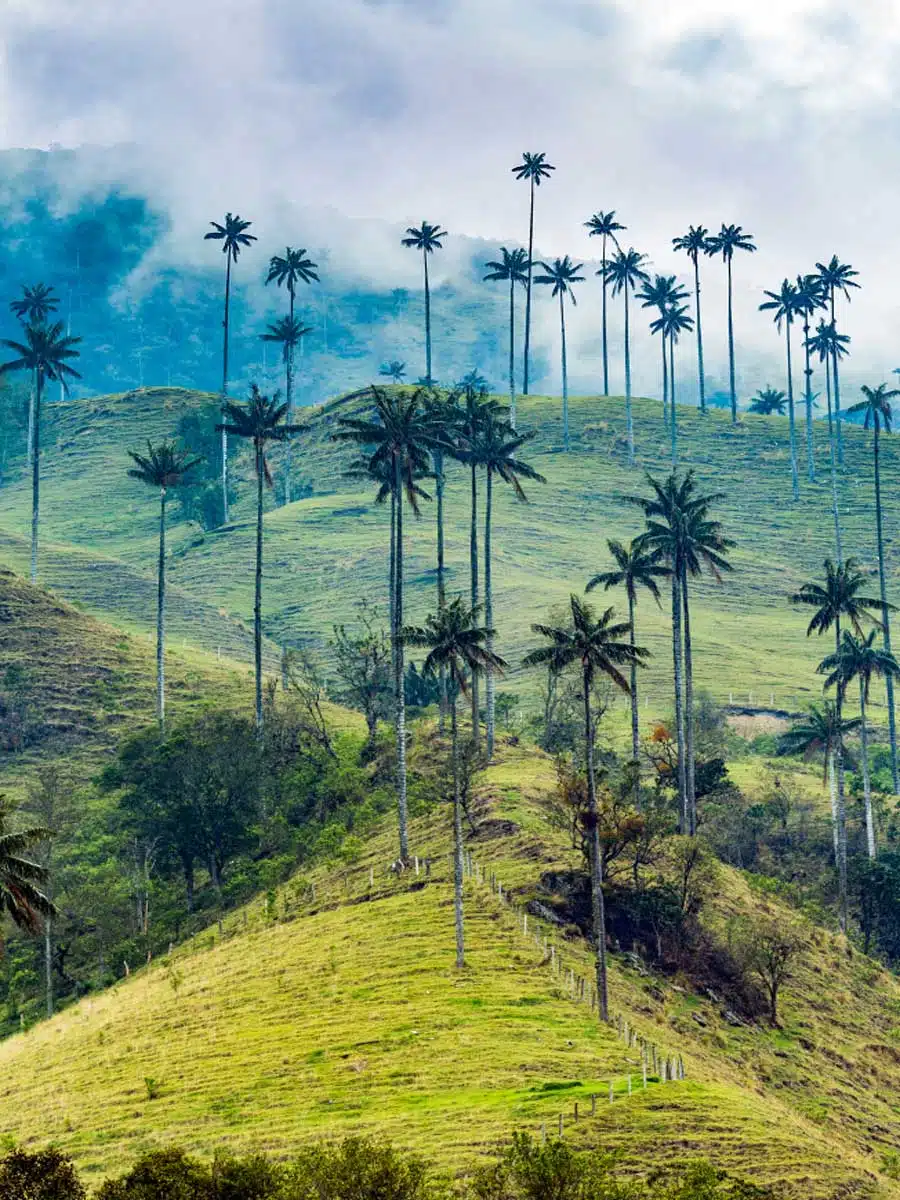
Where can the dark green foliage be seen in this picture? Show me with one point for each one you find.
(876, 884)
(421, 690)
(356, 1169)
(43, 1175)
(162, 1175)
(253, 1178)
(553, 1171)
(201, 499)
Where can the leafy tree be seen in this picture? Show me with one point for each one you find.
(604, 225)
(47, 353)
(426, 238)
(809, 298)
(836, 277)
(511, 269)
(34, 306)
(725, 242)
(233, 235)
(877, 888)
(592, 643)
(831, 346)
(625, 271)
(260, 421)
(456, 642)
(878, 414)
(636, 566)
(287, 332)
(394, 370)
(694, 243)
(768, 402)
(859, 658)
(357, 1169)
(785, 307)
(533, 168)
(171, 1173)
(362, 659)
(560, 275)
(770, 948)
(39, 1175)
(164, 466)
(22, 880)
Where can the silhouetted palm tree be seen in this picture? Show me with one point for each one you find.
(876, 408)
(560, 275)
(426, 238)
(233, 235)
(830, 346)
(511, 269)
(661, 294)
(636, 566)
(725, 242)
(625, 271)
(395, 370)
(859, 658)
(458, 647)
(694, 243)
(47, 353)
(21, 878)
(287, 332)
(163, 467)
(810, 297)
(36, 304)
(784, 307)
(593, 644)
(260, 421)
(604, 225)
(836, 277)
(768, 402)
(533, 168)
(675, 321)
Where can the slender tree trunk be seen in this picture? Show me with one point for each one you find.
(795, 480)
(628, 417)
(31, 418)
(427, 320)
(679, 709)
(690, 797)
(457, 841)
(832, 791)
(699, 336)
(48, 935)
(841, 800)
(473, 578)
(885, 616)
(565, 376)
(603, 321)
(597, 904)
(392, 582)
(807, 374)
(36, 473)
(257, 599)
(489, 612)
(512, 351)
(399, 682)
(528, 292)
(441, 581)
(674, 413)
(731, 383)
(834, 472)
(837, 394)
(225, 388)
(665, 379)
(161, 618)
(289, 400)
(864, 759)
(635, 731)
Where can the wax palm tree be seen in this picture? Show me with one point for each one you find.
(594, 644)
(164, 466)
(725, 242)
(660, 294)
(497, 450)
(839, 597)
(860, 659)
(459, 647)
(675, 321)
(694, 243)
(399, 432)
(533, 168)
(819, 732)
(260, 421)
(427, 238)
(394, 370)
(768, 402)
(604, 225)
(512, 268)
(830, 346)
(47, 353)
(36, 304)
(836, 277)
(810, 297)
(784, 307)
(625, 271)
(560, 275)
(878, 415)
(636, 567)
(21, 878)
(233, 235)
(287, 332)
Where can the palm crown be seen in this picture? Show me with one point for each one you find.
(837, 276)
(165, 465)
(625, 270)
(839, 596)
(783, 303)
(495, 447)
(395, 369)
(810, 294)
(857, 657)
(679, 528)
(694, 243)
(533, 167)
(661, 292)
(827, 342)
(604, 224)
(456, 643)
(674, 321)
(727, 240)
(20, 878)
(636, 566)
(260, 420)
(287, 332)
(512, 267)
(560, 275)
(398, 436)
(426, 237)
(876, 407)
(768, 400)
(290, 268)
(36, 304)
(233, 234)
(46, 351)
(593, 642)
(820, 731)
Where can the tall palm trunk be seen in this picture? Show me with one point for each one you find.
(36, 472)
(597, 905)
(473, 582)
(565, 375)
(457, 840)
(837, 394)
(427, 320)
(792, 431)
(48, 934)
(834, 472)
(399, 682)
(864, 759)
(731, 383)
(257, 600)
(528, 292)
(161, 617)
(885, 617)
(679, 709)
(832, 792)
(807, 375)
(699, 335)
(392, 582)
(628, 418)
(665, 379)
(30, 443)
(489, 612)
(225, 387)
(289, 399)
(673, 416)
(441, 581)
(841, 799)
(512, 351)
(635, 739)
(603, 320)
(690, 796)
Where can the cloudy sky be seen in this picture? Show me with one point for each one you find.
(779, 116)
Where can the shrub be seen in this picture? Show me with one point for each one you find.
(554, 1171)
(253, 1178)
(357, 1169)
(44, 1175)
(161, 1175)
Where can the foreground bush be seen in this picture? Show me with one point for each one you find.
(46, 1175)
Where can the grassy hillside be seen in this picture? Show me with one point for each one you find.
(333, 1007)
